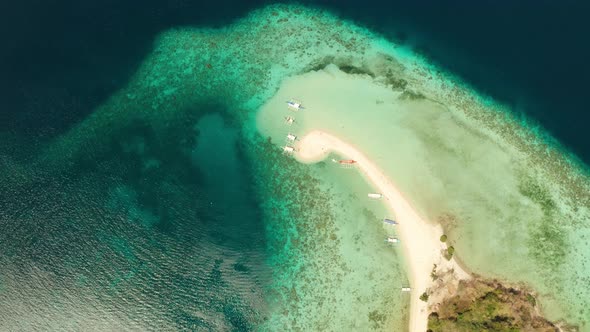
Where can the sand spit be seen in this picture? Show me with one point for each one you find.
(420, 240)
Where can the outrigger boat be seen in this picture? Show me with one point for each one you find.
(289, 120)
(375, 196)
(291, 137)
(346, 163)
(392, 239)
(389, 221)
(294, 105)
(288, 149)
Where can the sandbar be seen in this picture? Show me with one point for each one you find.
(419, 239)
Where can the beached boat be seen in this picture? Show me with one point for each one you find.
(291, 137)
(345, 163)
(374, 195)
(288, 149)
(390, 221)
(406, 289)
(294, 105)
(392, 239)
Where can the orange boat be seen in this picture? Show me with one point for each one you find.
(347, 162)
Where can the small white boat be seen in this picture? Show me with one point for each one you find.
(390, 221)
(374, 195)
(289, 120)
(392, 239)
(291, 137)
(288, 149)
(294, 105)
(406, 289)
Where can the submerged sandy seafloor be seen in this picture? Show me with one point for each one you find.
(516, 206)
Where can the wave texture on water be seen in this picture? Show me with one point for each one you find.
(536, 195)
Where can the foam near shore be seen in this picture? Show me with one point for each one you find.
(419, 239)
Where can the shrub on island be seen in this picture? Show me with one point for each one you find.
(486, 305)
(449, 252)
(424, 297)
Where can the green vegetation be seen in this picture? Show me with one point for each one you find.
(487, 306)
(531, 299)
(449, 252)
(433, 274)
(547, 244)
(395, 82)
(530, 188)
(411, 95)
(424, 297)
(443, 238)
(377, 319)
(353, 70)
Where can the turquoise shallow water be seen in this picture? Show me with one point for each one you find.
(195, 228)
(332, 269)
(505, 220)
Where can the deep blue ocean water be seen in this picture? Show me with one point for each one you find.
(147, 206)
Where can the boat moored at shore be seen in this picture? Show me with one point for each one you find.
(391, 239)
(294, 105)
(390, 221)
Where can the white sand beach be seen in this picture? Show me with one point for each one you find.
(420, 240)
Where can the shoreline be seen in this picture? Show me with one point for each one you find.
(420, 240)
